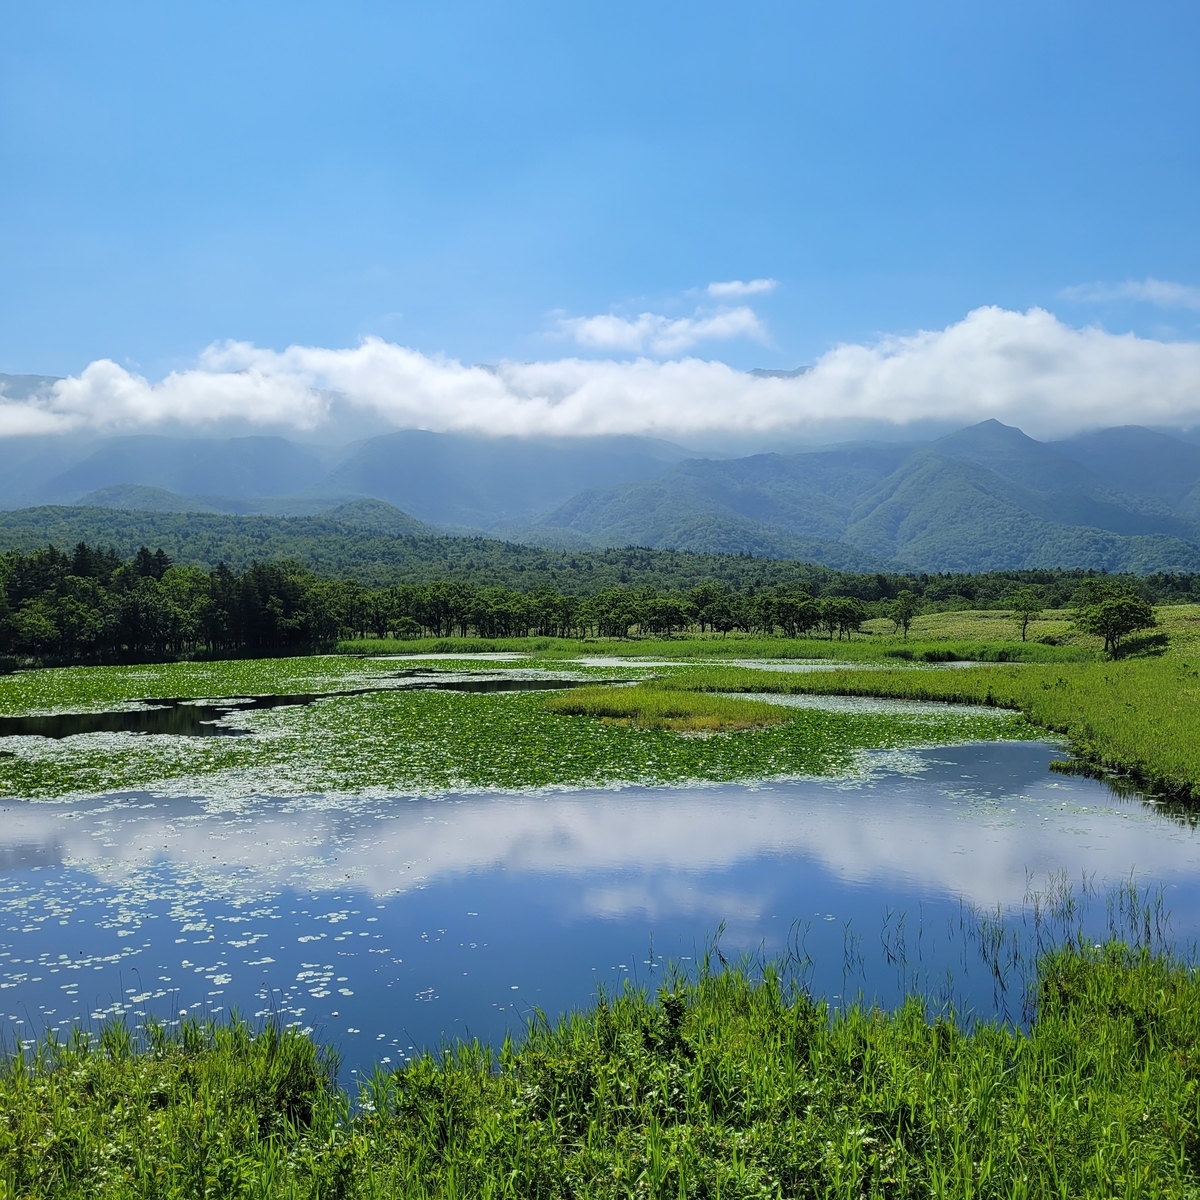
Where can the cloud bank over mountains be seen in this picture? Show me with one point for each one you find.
(1023, 368)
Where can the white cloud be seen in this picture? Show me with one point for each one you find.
(1026, 369)
(1149, 291)
(735, 287)
(662, 335)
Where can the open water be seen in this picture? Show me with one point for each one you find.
(389, 925)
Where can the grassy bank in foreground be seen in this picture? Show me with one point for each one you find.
(722, 1087)
(1139, 719)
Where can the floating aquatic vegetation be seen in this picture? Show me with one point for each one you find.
(388, 741)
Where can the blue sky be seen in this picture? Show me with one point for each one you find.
(468, 179)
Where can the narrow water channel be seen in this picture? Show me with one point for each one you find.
(186, 717)
(390, 925)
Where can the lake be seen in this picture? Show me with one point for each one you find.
(391, 924)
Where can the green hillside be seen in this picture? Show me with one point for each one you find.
(376, 544)
(984, 498)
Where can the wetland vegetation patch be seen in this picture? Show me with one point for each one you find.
(387, 740)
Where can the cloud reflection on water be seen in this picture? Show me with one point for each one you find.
(973, 821)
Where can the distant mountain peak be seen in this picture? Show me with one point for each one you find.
(772, 373)
(22, 387)
(136, 497)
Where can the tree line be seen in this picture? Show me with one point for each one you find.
(90, 605)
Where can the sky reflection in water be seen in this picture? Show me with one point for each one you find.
(387, 925)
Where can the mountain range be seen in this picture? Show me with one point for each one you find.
(984, 498)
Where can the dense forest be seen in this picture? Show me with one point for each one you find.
(90, 605)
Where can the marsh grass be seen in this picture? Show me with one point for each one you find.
(87, 689)
(648, 706)
(1138, 719)
(733, 1083)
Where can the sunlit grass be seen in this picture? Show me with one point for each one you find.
(726, 1085)
(941, 638)
(647, 706)
(986, 635)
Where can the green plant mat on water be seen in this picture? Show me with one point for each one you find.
(388, 742)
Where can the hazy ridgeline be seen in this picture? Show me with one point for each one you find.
(90, 605)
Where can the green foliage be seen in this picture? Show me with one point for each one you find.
(1115, 619)
(377, 552)
(725, 1085)
(90, 606)
(1026, 606)
(1112, 609)
(902, 610)
(206, 1110)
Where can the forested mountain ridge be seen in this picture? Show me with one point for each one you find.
(984, 498)
(369, 542)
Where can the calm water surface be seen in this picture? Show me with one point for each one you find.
(386, 926)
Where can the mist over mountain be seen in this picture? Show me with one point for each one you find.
(450, 479)
(244, 466)
(477, 482)
(987, 497)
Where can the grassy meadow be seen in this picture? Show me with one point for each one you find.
(721, 1086)
(988, 642)
(650, 706)
(986, 635)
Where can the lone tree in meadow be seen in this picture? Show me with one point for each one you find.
(1026, 607)
(902, 610)
(1112, 609)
